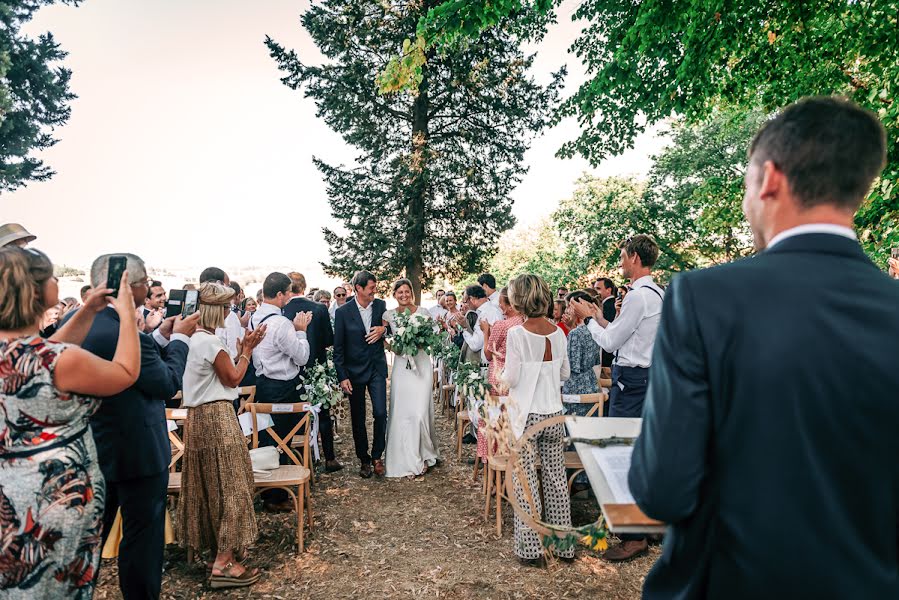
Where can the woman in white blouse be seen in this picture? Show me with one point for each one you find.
(216, 507)
(536, 365)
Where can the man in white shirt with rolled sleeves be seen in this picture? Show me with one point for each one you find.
(631, 338)
(632, 335)
(278, 359)
(488, 313)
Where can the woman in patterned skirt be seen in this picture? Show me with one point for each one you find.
(216, 506)
(51, 489)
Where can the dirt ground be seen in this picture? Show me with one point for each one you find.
(381, 538)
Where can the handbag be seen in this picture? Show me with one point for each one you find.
(264, 460)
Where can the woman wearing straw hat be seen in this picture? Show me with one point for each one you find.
(216, 507)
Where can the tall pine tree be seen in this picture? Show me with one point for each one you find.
(34, 94)
(431, 192)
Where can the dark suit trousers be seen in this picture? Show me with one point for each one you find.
(377, 389)
(628, 403)
(143, 533)
(276, 391)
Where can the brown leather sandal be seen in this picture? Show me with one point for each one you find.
(228, 580)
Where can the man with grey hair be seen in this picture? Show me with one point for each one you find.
(131, 435)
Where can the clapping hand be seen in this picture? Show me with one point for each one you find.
(894, 268)
(584, 309)
(485, 327)
(302, 320)
(251, 340)
(375, 333)
(154, 319)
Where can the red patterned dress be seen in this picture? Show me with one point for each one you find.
(497, 345)
(51, 489)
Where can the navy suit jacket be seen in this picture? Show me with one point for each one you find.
(769, 450)
(354, 358)
(319, 333)
(129, 428)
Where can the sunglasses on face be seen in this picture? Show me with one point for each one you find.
(340, 295)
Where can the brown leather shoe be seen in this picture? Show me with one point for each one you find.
(626, 550)
(332, 466)
(379, 467)
(365, 471)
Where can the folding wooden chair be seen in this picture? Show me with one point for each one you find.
(287, 477)
(245, 395)
(572, 459)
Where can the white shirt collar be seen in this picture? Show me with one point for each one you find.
(645, 280)
(813, 228)
(267, 309)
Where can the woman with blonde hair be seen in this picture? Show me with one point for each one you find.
(52, 492)
(216, 506)
(536, 365)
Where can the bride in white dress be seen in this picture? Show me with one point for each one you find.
(411, 437)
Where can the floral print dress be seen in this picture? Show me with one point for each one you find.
(51, 489)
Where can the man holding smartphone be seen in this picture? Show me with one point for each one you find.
(130, 431)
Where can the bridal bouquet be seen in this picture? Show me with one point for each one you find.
(319, 384)
(413, 333)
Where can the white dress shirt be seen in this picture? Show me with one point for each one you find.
(162, 342)
(283, 350)
(230, 333)
(366, 313)
(813, 228)
(491, 313)
(633, 333)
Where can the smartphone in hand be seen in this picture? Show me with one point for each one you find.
(114, 271)
(174, 303)
(191, 303)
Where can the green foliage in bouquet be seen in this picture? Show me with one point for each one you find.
(319, 384)
(471, 382)
(414, 332)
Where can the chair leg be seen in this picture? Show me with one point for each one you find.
(477, 461)
(488, 481)
(459, 434)
(309, 507)
(499, 504)
(301, 496)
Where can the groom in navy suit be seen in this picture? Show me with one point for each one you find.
(360, 363)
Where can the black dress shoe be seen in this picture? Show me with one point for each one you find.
(332, 466)
(365, 471)
(469, 439)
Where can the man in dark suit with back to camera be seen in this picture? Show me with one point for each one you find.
(769, 451)
(321, 337)
(131, 435)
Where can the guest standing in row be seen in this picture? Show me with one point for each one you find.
(215, 511)
(536, 365)
(131, 435)
(320, 336)
(48, 389)
(277, 360)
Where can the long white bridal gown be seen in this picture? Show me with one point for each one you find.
(411, 437)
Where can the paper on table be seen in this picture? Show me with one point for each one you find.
(246, 422)
(615, 462)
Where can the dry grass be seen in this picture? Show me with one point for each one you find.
(381, 538)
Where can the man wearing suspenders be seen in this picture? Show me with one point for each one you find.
(631, 338)
(277, 361)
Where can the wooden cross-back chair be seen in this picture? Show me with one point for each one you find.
(288, 477)
(177, 443)
(246, 395)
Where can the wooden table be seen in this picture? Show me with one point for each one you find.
(620, 518)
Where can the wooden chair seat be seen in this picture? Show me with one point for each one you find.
(174, 487)
(287, 477)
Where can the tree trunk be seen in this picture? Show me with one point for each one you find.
(418, 188)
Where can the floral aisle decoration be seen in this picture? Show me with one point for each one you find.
(413, 333)
(318, 384)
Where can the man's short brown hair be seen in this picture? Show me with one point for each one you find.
(643, 246)
(830, 150)
(297, 282)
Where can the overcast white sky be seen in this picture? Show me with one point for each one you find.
(185, 148)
